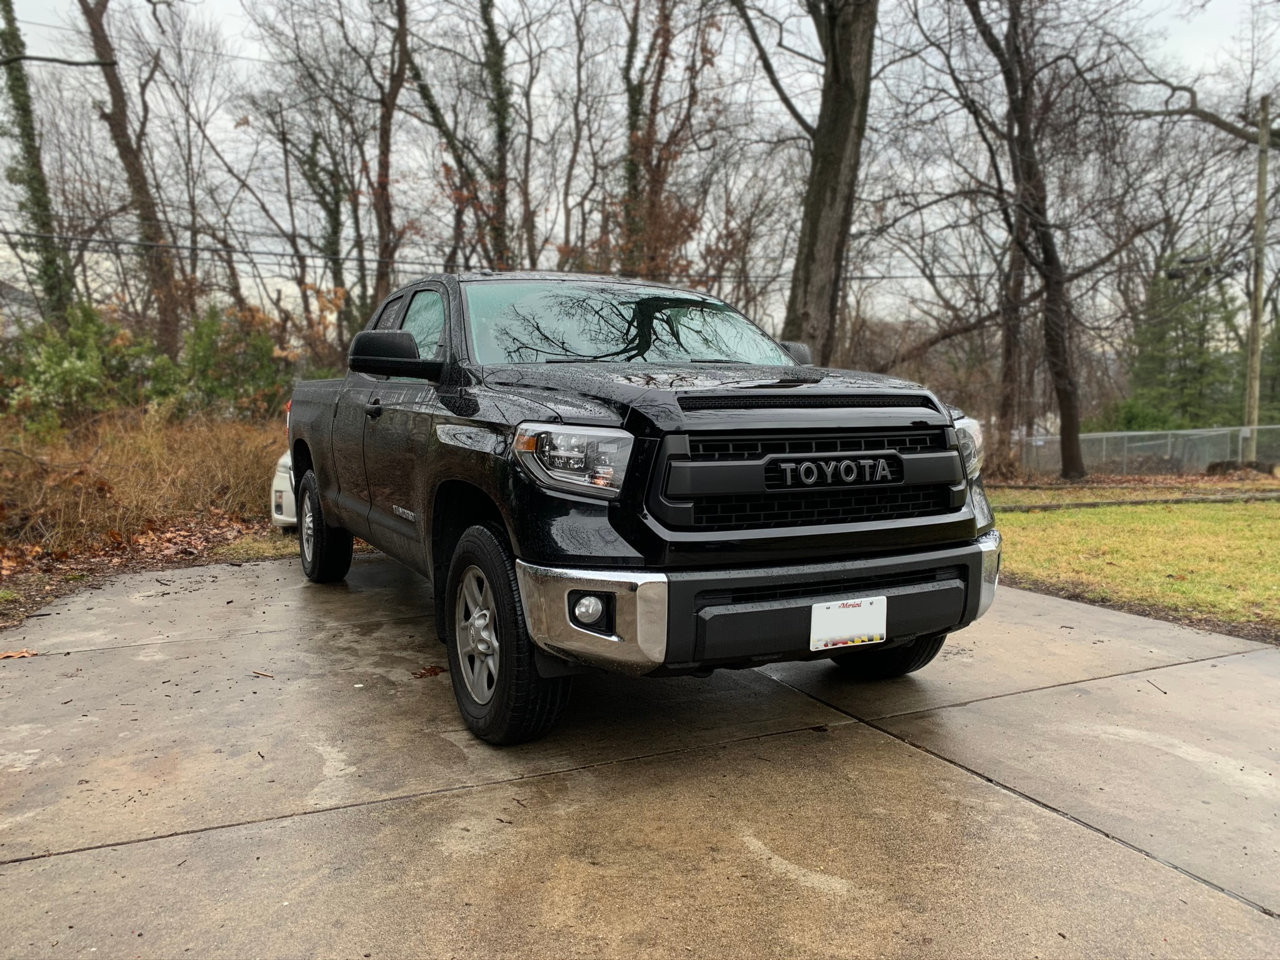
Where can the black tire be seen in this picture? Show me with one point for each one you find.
(326, 557)
(500, 694)
(873, 664)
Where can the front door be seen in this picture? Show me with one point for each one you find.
(400, 438)
(350, 417)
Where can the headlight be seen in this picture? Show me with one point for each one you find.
(969, 433)
(590, 460)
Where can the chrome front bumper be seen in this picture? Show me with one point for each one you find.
(643, 633)
(989, 543)
(639, 641)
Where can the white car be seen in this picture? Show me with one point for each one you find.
(284, 512)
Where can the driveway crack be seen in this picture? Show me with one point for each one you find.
(417, 794)
(875, 725)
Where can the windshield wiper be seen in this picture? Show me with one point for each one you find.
(715, 360)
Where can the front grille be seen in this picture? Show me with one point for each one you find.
(731, 447)
(816, 506)
(861, 586)
(799, 402)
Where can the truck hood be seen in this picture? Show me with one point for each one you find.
(674, 397)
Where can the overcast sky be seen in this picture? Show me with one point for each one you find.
(1197, 40)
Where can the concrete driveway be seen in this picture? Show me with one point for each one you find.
(228, 761)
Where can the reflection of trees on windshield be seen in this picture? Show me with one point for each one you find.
(611, 324)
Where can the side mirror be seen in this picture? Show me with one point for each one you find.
(800, 352)
(391, 353)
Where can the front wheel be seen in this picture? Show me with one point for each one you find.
(873, 664)
(501, 696)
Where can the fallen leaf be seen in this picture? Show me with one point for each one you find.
(431, 671)
(18, 654)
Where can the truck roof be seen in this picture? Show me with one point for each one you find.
(467, 276)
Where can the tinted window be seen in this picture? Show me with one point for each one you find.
(425, 320)
(536, 321)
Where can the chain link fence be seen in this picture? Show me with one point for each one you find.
(1149, 454)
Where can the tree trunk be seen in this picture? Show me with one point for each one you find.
(1057, 307)
(380, 200)
(846, 29)
(57, 283)
(157, 258)
(499, 105)
(633, 254)
(321, 169)
(1012, 291)
(1057, 352)
(364, 305)
(464, 184)
(1030, 199)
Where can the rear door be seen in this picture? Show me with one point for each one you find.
(398, 440)
(349, 418)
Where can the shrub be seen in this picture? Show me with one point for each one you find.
(232, 366)
(1133, 413)
(95, 366)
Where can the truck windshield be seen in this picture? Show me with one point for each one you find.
(550, 321)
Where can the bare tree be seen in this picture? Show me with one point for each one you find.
(667, 56)
(353, 54)
(129, 138)
(846, 35)
(1040, 83)
(1247, 127)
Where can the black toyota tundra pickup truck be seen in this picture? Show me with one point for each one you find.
(614, 474)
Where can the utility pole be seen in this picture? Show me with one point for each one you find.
(1253, 375)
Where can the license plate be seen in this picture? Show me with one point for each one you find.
(847, 623)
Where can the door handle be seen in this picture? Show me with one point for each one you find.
(373, 409)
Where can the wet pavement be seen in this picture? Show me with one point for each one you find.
(228, 761)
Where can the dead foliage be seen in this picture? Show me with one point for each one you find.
(1245, 479)
(128, 486)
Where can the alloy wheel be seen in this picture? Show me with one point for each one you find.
(308, 528)
(476, 634)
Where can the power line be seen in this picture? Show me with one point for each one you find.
(433, 267)
(164, 46)
(199, 248)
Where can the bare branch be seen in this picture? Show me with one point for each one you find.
(32, 58)
(767, 64)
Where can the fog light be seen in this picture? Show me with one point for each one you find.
(588, 609)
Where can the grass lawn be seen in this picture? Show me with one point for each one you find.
(269, 544)
(1215, 565)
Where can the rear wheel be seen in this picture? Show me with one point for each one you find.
(873, 664)
(501, 696)
(325, 550)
